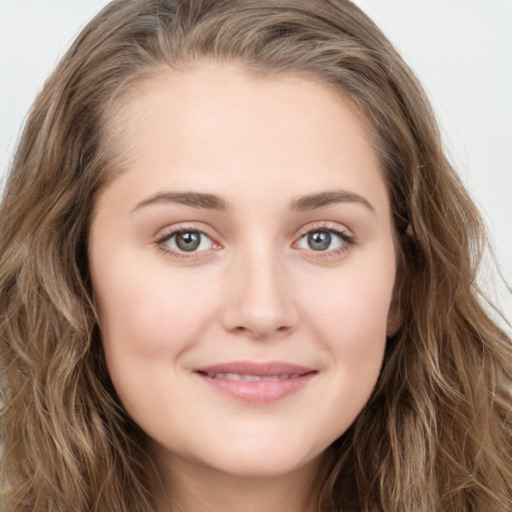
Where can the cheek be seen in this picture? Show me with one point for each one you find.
(146, 324)
(350, 322)
(149, 318)
(352, 307)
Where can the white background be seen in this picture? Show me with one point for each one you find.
(460, 49)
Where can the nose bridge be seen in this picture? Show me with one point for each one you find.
(260, 302)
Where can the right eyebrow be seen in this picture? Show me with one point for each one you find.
(193, 199)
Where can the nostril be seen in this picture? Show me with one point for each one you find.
(260, 310)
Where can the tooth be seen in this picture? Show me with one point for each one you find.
(251, 378)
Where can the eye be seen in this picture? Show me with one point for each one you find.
(319, 240)
(187, 241)
(325, 240)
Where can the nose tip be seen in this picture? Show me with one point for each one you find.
(257, 323)
(261, 303)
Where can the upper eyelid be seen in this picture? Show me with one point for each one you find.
(327, 226)
(189, 226)
(201, 234)
(167, 232)
(167, 237)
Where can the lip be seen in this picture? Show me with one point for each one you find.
(256, 382)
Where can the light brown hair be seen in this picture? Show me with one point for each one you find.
(436, 434)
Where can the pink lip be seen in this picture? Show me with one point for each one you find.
(282, 379)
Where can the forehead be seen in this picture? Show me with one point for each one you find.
(207, 90)
(217, 124)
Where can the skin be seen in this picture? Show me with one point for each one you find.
(255, 289)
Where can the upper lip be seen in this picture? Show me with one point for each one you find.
(266, 369)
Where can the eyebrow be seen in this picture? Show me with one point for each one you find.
(193, 199)
(212, 202)
(314, 201)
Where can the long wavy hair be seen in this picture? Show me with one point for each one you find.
(436, 434)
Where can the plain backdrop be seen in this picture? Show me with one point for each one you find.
(460, 49)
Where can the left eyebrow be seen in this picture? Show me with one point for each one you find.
(314, 201)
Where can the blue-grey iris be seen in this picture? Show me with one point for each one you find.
(188, 241)
(319, 240)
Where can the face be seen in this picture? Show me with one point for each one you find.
(244, 266)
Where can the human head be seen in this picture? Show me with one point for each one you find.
(66, 157)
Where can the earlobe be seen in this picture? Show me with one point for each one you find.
(392, 327)
(395, 318)
(395, 313)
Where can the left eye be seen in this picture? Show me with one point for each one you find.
(189, 241)
(321, 240)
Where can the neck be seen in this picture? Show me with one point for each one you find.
(187, 487)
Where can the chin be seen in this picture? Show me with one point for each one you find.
(253, 460)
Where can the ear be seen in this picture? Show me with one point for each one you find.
(393, 326)
(395, 313)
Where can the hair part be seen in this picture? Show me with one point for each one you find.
(436, 434)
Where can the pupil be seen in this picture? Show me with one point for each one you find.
(188, 241)
(319, 240)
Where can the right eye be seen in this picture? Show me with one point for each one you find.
(186, 241)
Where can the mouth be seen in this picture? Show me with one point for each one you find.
(256, 382)
(251, 378)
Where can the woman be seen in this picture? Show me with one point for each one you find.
(238, 273)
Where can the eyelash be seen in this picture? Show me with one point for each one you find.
(161, 243)
(347, 239)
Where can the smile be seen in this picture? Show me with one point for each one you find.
(252, 378)
(256, 383)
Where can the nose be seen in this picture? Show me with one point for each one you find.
(261, 303)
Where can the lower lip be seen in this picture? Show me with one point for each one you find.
(258, 392)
